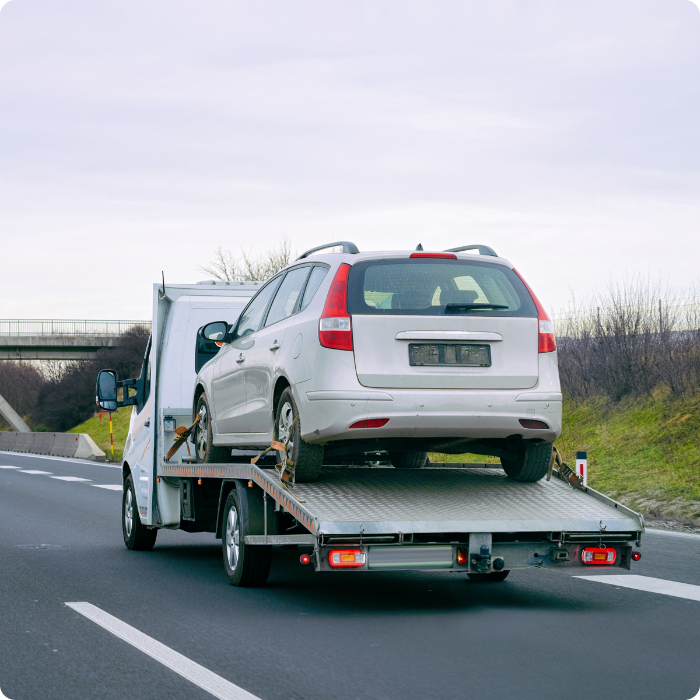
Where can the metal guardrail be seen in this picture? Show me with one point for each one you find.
(55, 326)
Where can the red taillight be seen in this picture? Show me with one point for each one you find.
(346, 558)
(462, 556)
(547, 341)
(636, 556)
(304, 558)
(448, 256)
(533, 424)
(604, 556)
(335, 325)
(371, 423)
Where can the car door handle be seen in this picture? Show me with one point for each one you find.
(275, 346)
(241, 358)
(147, 424)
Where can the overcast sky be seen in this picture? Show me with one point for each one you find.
(136, 135)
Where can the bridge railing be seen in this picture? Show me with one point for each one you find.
(59, 326)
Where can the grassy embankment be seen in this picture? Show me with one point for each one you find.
(98, 429)
(643, 452)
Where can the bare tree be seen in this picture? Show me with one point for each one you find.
(226, 266)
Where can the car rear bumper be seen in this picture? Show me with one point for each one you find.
(443, 413)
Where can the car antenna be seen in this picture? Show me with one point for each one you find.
(419, 247)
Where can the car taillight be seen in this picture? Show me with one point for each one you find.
(533, 424)
(599, 555)
(371, 423)
(335, 325)
(346, 558)
(444, 256)
(547, 341)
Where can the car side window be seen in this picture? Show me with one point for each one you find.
(287, 295)
(315, 279)
(253, 313)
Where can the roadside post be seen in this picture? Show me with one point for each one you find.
(111, 435)
(582, 466)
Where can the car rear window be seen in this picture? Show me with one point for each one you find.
(435, 287)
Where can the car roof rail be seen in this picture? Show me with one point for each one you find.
(348, 247)
(483, 250)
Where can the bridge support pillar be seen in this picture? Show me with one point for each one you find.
(12, 417)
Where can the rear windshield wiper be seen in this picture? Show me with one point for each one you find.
(457, 308)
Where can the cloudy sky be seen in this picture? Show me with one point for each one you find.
(135, 136)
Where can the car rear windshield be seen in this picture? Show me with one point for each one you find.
(436, 287)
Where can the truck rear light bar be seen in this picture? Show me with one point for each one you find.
(547, 341)
(371, 423)
(346, 558)
(605, 556)
(335, 325)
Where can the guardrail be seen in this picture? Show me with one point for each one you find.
(55, 326)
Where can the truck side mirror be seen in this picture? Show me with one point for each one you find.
(107, 390)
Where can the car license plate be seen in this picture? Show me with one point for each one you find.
(449, 354)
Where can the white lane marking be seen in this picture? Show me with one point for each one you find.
(70, 478)
(649, 584)
(671, 533)
(33, 471)
(3, 466)
(111, 487)
(216, 685)
(84, 462)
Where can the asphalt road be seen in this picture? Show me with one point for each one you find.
(315, 636)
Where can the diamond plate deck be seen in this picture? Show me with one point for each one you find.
(387, 500)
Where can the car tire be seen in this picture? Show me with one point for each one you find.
(491, 577)
(531, 464)
(408, 459)
(307, 458)
(137, 536)
(204, 448)
(245, 565)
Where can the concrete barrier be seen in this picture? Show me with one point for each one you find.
(75, 445)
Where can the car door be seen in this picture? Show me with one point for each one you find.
(262, 356)
(228, 380)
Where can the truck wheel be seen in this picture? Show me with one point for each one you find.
(206, 451)
(408, 459)
(245, 565)
(531, 464)
(492, 577)
(136, 535)
(308, 459)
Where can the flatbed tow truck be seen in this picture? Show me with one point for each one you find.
(468, 518)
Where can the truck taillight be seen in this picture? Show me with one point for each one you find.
(604, 556)
(346, 558)
(335, 325)
(547, 342)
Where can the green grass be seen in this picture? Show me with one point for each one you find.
(98, 429)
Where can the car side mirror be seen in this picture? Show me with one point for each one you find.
(107, 390)
(216, 331)
(210, 339)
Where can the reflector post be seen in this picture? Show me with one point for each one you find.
(346, 558)
(582, 466)
(599, 556)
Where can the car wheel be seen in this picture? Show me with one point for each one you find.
(205, 450)
(245, 565)
(408, 459)
(492, 577)
(531, 464)
(136, 535)
(307, 458)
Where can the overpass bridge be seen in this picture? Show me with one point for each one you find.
(60, 339)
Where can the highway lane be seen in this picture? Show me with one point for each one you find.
(344, 635)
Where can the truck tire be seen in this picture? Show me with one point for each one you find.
(492, 577)
(205, 450)
(307, 458)
(136, 535)
(245, 565)
(408, 459)
(531, 464)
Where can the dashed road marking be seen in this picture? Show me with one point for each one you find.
(70, 478)
(5, 466)
(204, 678)
(33, 471)
(111, 487)
(648, 584)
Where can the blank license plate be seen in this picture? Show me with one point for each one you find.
(422, 354)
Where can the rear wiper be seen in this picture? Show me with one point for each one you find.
(456, 308)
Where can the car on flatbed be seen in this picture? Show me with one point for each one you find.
(353, 357)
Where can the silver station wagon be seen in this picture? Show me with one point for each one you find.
(354, 357)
